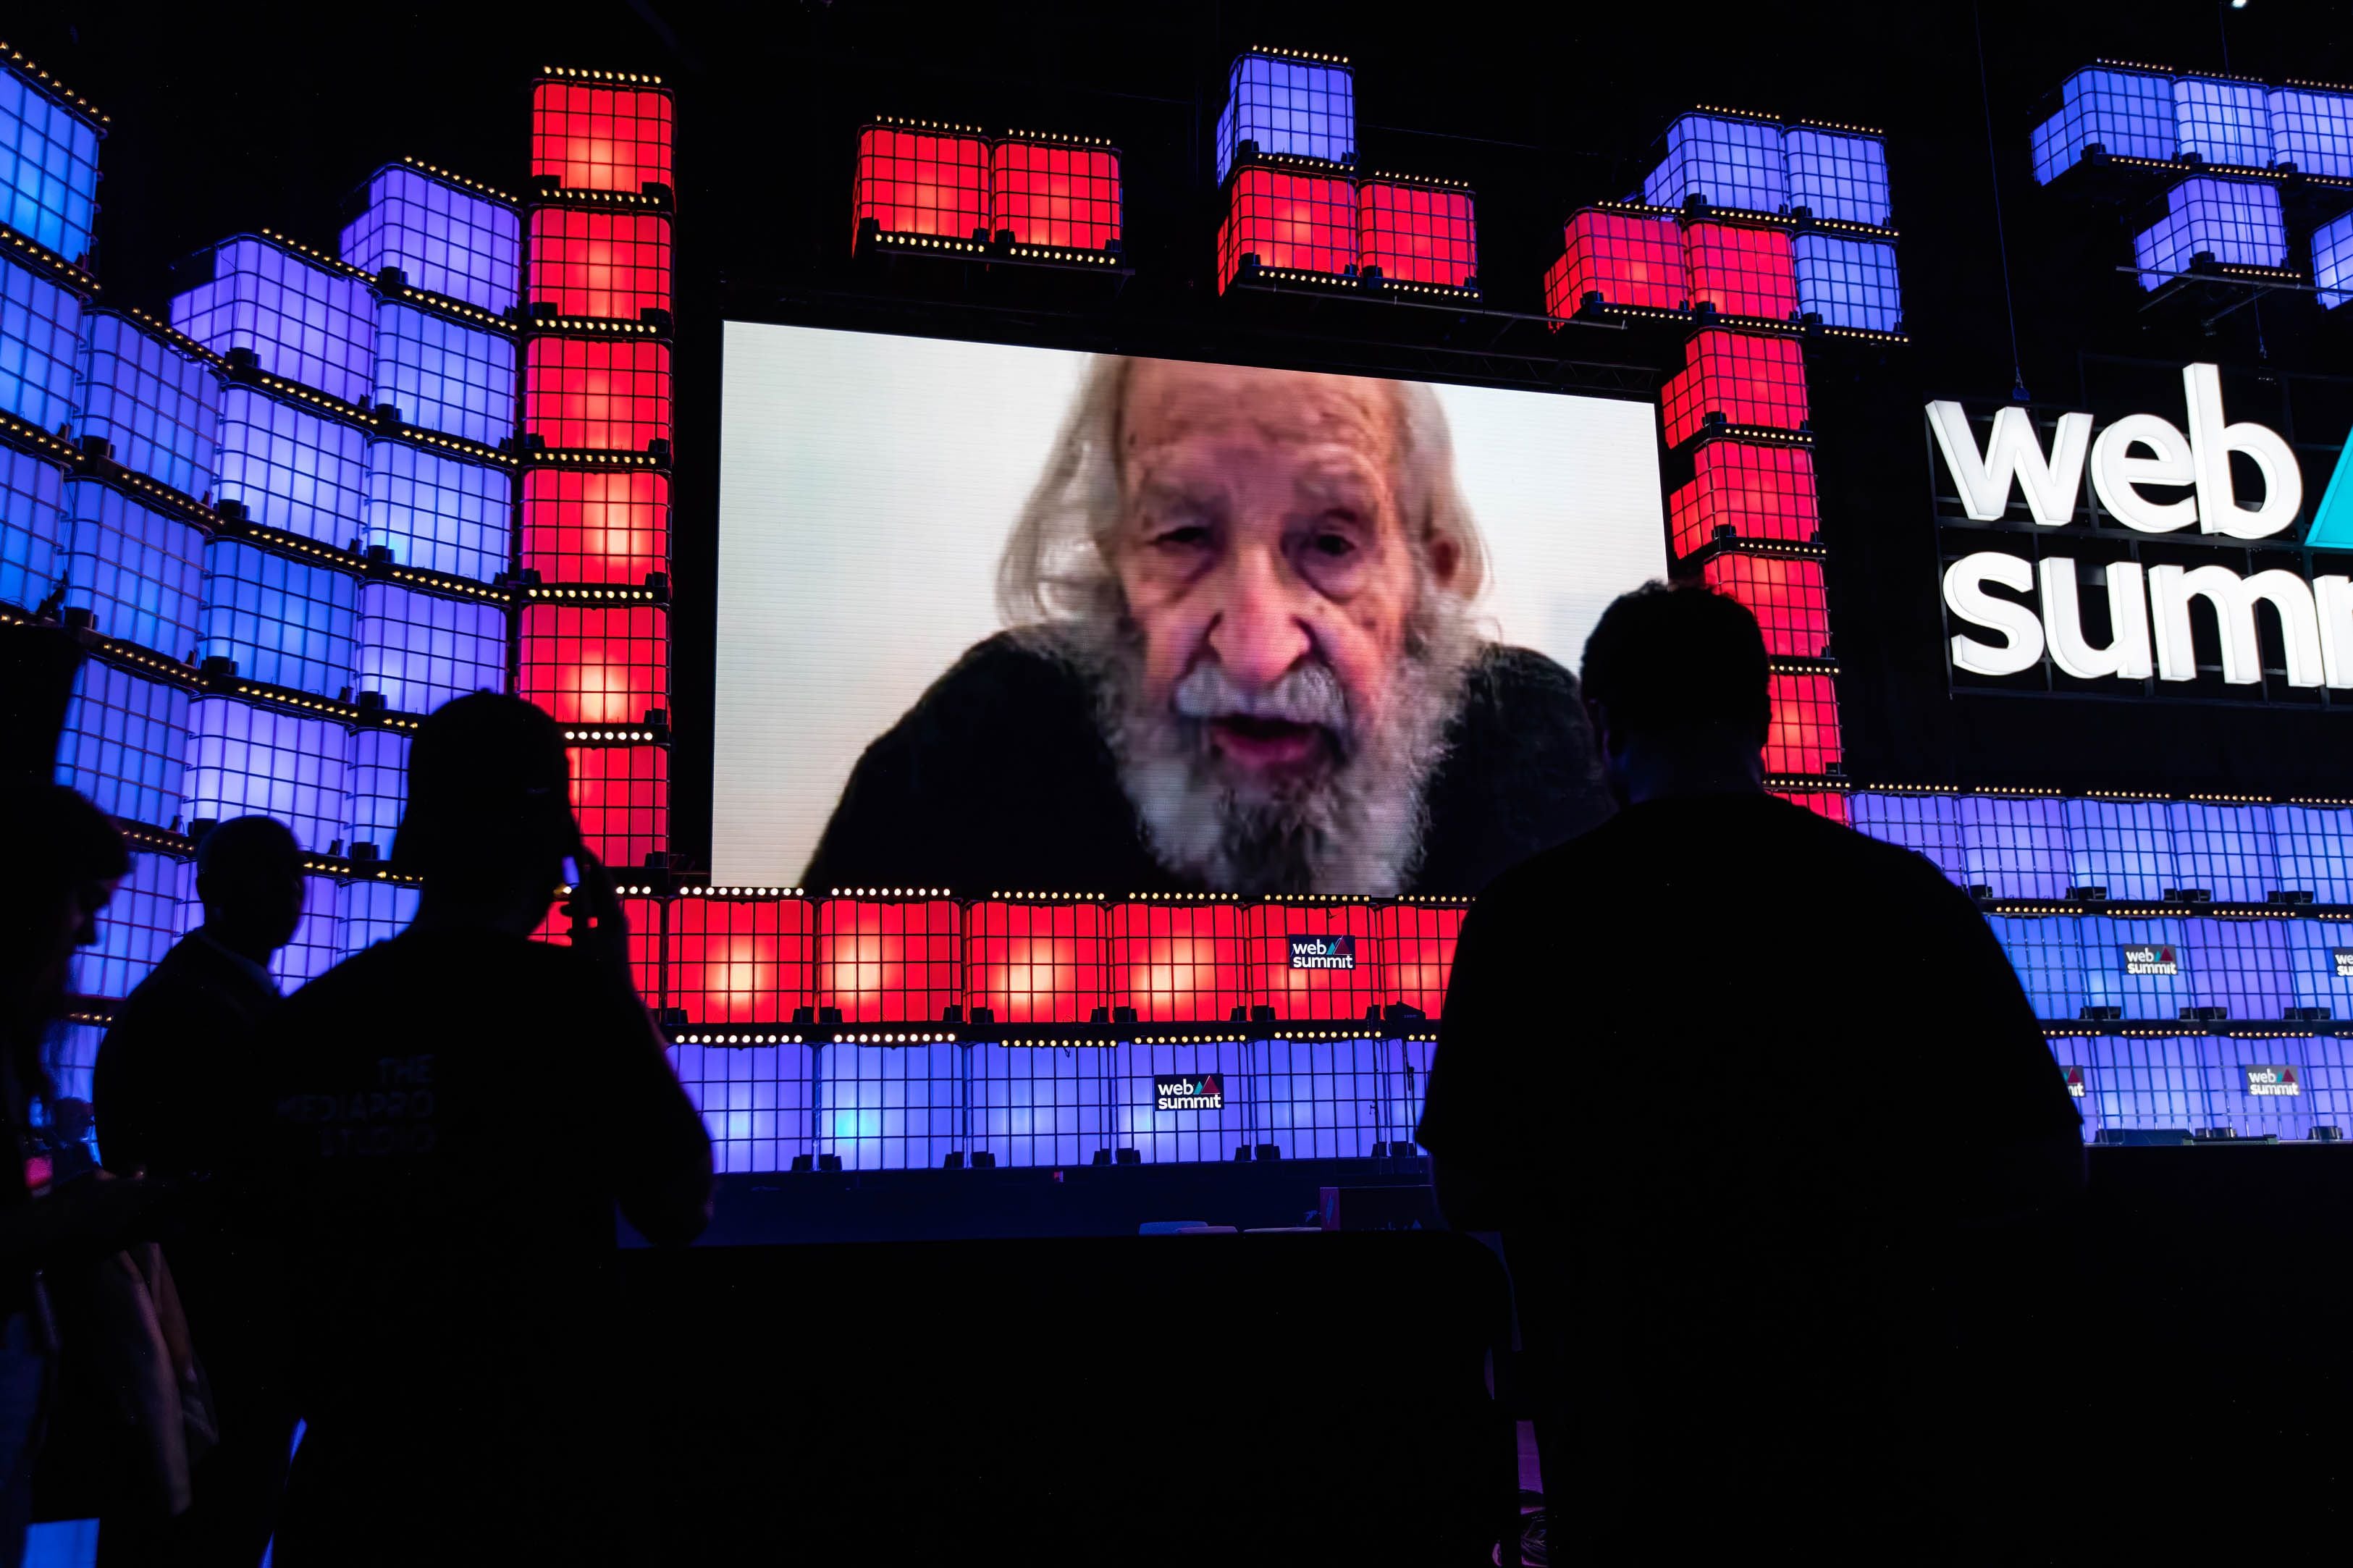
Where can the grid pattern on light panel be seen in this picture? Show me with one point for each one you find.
(2148, 1081)
(33, 529)
(445, 376)
(2328, 1080)
(2313, 131)
(1049, 193)
(1741, 270)
(1785, 596)
(2317, 976)
(125, 743)
(1296, 107)
(285, 622)
(48, 168)
(608, 394)
(317, 944)
(40, 336)
(889, 963)
(1304, 221)
(2047, 952)
(1040, 1106)
(2128, 113)
(2016, 847)
(375, 788)
(245, 760)
(1191, 1135)
(2222, 121)
(1627, 260)
(444, 241)
(135, 930)
(1417, 947)
(421, 649)
(1759, 492)
(2240, 967)
(603, 263)
(139, 572)
(1294, 953)
(157, 407)
(371, 913)
(1849, 282)
(1827, 804)
(2230, 1097)
(755, 1102)
(2314, 846)
(2225, 849)
(2108, 982)
(1418, 235)
(1804, 735)
(2126, 846)
(1036, 963)
(302, 320)
(2332, 261)
(586, 526)
(2239, 222)
(1837, 174)
(921, 181)
(740, 961)
(1727, 163)
(437, 512)
(1927, 825)
(889, 1108)
(1750, 379)
(621, 796)
(293, 468)
(595, 666)
(1177, 963)
(1325, 1099)
(600, 138)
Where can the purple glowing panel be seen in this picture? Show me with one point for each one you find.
(1848, 282)
(32, 527)
(444, 376)
(2150, 1081)
(2240, 967)
(291, 468)
(1927, 825)
(2217, 121)
(420, 649)
(439, 512)
(2047, 950)
(125, 743)
(2126, 113)
(754, 1102)
(2332, 261)
(2312, 130)
(2126, 846)
(1038, 1105)
(1724, 162)
(889, 1108)
(136, 928)
(2225, 849)
(2255, 1087)
(245, 759)
(1190, 1130)
(2239, 223)
(2141, 966)
(2017, 847)
(158, 407)
(1324, 1099)
(443, 239)
(1837, 173)
(2320, 965)
(2314, 846)
(318, 942)
(375, 786)
(48, 167)
(286, 622)
(40, 336)
(371, 913)
(304, 321)
(139, 572)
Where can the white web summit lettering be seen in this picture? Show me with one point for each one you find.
(1323, 952)
(2273, 1081)
(1181, 1091)
(2153, 958)
(2342, 957)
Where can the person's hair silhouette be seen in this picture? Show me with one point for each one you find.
(489, 822)
(250, 879)
(1677, 686)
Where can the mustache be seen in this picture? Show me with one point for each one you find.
(1307, 694)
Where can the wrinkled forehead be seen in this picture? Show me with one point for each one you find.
(1171, 405)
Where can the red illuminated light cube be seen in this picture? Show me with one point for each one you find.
(1759, 492)
(1750, 378)
(1821, 801)
(1303, 219)
(889, 963)
(621, 795)
(1741, 270)
(596, 525)
(605, 264)
(644, 918)
(921, 181)
(1627, 259)
(1313, 960)
(1036, 963)
(610, 395)
(1784, 594)
(1804, 736)
(741, 959)
(592, 666)
(1177, 963)
(1417, 945)
(594, 137)
(1417, 233)
(1055, 193)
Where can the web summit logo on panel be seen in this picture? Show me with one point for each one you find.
(1182, 1091)
(1323, 952)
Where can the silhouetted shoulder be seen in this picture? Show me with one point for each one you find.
(1520, 775)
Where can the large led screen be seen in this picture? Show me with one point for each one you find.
(1002, 619)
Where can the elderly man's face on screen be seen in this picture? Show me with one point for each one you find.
(1264, 560)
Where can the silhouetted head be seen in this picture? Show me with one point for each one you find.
(66, 860)
(249, 876)
(1676, 684)
(488, 818)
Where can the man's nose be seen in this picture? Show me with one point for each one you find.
(1259, 633)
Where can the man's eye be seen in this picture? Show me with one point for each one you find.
(1186, 536)
(1333, 545)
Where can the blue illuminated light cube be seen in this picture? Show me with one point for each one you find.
(2320, 965)
(1837, 173)
(2276, 1102)
(2149, 1082)
(32, 527)
(2047, 950)
(40, 336)
(2016, 847)
(2241, 966)
(157, 407)
(439, 512)
(444, 376)
(285, 622)
(2313, 131)
(2225, 849)
(2314, 846)
(135, 930)
(2332, 261)
(125, 743)
(421, 649)
(138, 571)
(754, 1102)
(318, 942)
(1324, 1099)
(2126, 113)
(376, 786)
(48, 166)
(1927, 825)
(2217, 121)
(2126, 846)
(304, 321)
(1848, 282)
(245, 757)
(2153, 987)
(1301, 109)
(292, 468)
(889, 1108)
(1167, 1137)
(371, 913)
(444, 239)
(1038, 1105)
(1726, 161)
(2238, 222)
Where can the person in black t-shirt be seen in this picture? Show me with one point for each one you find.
(458, 1112)
(1724, 1076)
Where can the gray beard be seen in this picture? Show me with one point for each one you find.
(1356, 828)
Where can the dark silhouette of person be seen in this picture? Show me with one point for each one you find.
(458, 1112)
(1726, 1076)
(178, 1094)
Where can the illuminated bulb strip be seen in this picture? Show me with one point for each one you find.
(1736, 113)
(1425, 182)
(333, 406)
(933, 242)
(903, 122)
(1055, 253)
(2133, 65)
(1802, 666)
(1835, 125)
(611, 596)
(33, 435)
(470, 314)
(1296, 161)
(891, 893)
(178, 339)
(1064, 137)
(50, 84)
(1808, 783)
(1274, 51)
(593, 736)
(33, 250)
(1053, 897)
(2290, 81)
(591, 326)
(333, 263)
(726, 892)
(566, 196)
(612, 79)
(448, 177)
(588, 458)
(1761, 435)
(151, 493)
(755, 1038)
(474, 450)
(114, 651)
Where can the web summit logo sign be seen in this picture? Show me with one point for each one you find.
(1323, 952)
(1180, 1091)
(2153, 477)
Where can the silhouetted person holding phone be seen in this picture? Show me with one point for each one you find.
(458, 1112)
(1726, 1076)
(180, 1096)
